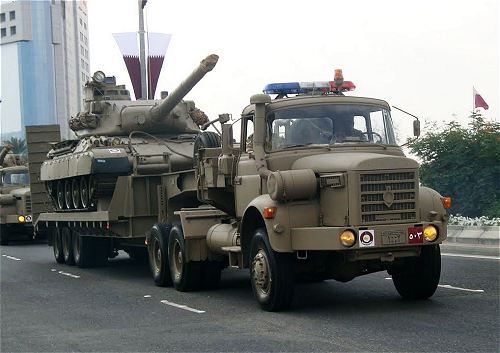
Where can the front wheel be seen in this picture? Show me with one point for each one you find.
(271, 274)
(419, 278)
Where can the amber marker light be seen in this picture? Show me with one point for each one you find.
(430, 233)
(21, 219)
(446, 202)
(347, 238)
(270, 212)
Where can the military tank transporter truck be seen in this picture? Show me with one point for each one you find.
(316, 189)
(15, 198)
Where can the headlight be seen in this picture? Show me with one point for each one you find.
(347, 238)
(430, 233)
(21, 219)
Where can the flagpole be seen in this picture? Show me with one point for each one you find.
(142, 52)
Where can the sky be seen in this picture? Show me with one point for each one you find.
(422, 56)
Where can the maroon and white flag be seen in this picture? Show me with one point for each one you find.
(129, 47)
(479, 101)
(157, 47)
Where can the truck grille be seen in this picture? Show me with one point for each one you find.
(28, 204)
(389, 197)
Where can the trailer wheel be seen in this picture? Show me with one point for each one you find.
(158, 254)
(84, 250)
(420, 277)
(206, 139)
(67, 246)
(271, 274)
(186, 276)
(57, 246)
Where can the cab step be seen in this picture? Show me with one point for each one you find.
(235, 256)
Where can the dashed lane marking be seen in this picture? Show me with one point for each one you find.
(457, 288)
(473, 256)
(11, 257)
(147, 296)
(183, 307)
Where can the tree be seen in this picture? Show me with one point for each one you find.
(18, 145)
(463, 163)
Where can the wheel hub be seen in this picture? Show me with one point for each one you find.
(260, 272)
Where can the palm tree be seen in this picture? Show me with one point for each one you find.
(18, 145)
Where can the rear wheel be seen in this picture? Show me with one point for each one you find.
(84, 250)
(419, 278)
(67, 246)
(186, 276)
(57, 246)
(271, 274)
(158, 254)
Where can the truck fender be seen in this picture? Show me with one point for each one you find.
(432, 209)
(253, 219)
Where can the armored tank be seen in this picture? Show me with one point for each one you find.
(15, 200)
(118, 136)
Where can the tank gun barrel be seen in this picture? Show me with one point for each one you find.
(6, 149)
(166, 106)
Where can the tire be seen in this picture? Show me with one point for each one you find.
(186, 276)
(158, 254)
(4, 237)
(272, 274)
(206, 139)
(84, 250)
(420, 277)
(67, 246)
(57, 246)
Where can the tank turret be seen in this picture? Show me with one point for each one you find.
(109, 110)
(118, 137)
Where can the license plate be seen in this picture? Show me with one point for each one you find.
(393, 237)
(415, 235)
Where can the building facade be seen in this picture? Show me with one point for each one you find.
(44, 63)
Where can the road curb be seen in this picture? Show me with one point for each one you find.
(482, 235)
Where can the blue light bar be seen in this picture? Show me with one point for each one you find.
(283, 88)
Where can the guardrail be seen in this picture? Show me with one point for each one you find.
(483, 235)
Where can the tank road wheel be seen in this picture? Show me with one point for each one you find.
(271, 274)
(158, 254)
(186, 276)
(84, 192)
(68, 197)
(60, 195)
(67, 246)
(75, 193)
(206, 139)
(57, 245)
(420, 277)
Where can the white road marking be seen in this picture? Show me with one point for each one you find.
(472, 256)
(68, 274)
(184, 307)
(457, 288)
(11, 257)
(147, 296)
(53, 269)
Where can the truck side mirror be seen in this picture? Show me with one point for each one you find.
(416, 128)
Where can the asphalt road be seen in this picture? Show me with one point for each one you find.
(46, 307)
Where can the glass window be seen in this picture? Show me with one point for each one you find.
(4, 32)
(328, 124)
(17, 177)
(12, 15)
(2, 17)
(12, 30)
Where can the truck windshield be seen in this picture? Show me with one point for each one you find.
(329, 124)
(18, 177)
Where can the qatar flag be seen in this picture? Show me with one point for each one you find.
(127, 42)
(157, 47)
(479, 102)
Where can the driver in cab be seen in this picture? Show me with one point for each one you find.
(344, 130)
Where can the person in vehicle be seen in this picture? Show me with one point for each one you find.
(344, 129)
